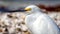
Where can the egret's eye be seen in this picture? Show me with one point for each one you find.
(28, 9)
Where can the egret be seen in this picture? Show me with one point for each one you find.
(39, 22)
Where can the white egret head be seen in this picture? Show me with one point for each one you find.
(32, 9)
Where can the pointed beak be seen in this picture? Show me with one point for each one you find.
(23, 10)
(20, 10)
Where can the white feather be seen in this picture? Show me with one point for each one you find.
(40, 23)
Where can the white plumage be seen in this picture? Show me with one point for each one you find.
(40, 23)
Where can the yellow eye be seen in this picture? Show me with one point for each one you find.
(28, 9)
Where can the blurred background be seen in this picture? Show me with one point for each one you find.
(13, 4)
(13, 23)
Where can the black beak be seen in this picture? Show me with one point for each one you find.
(11, 11)
(17, 11)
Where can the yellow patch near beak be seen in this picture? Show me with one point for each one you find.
(28, 9)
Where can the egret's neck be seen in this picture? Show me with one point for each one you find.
(35, 12)
(40, 12)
